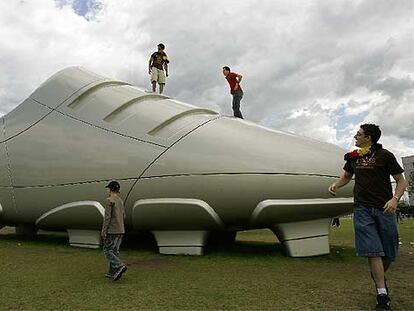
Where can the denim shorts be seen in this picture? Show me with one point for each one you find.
(376, 233)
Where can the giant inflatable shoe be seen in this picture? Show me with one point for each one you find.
(185, 172)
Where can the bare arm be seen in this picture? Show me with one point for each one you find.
(166, 69)
(149, 65)
(238, 79)
(391, 205)
(401, 185)
(342, 181)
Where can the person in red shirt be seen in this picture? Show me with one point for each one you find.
(234, 80)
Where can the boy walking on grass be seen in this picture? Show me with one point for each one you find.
(113, 231)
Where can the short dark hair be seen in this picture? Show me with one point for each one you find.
(372, 130)
(226, 68)
(161, 46)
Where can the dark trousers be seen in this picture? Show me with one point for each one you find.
(237, 97)
(335, 222)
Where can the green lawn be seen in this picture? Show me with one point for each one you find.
(47, 274)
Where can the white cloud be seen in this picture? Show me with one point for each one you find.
(325, 65)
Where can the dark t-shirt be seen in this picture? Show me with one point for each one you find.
(158, 59)
(231, 79)
(372, 177)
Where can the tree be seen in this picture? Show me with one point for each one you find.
(410, 187)
(405, 209)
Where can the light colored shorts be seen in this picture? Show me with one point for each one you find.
(157, 75)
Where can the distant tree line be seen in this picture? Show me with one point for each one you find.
(406, 209)
(410, 187)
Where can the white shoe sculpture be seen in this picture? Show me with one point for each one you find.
(185, 172)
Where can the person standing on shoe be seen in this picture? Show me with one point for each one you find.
(376, 234)
(234, 80)
(113, 231)
(157, 63)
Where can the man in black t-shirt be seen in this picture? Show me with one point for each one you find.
(157, 63)
(376, 235)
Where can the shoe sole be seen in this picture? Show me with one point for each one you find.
(118, 275)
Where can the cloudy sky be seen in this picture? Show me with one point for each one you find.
(315, 68)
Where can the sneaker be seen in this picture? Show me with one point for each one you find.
(119, 273)
(383, 302)
(109, 275)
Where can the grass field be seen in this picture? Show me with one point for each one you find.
(47, 274)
